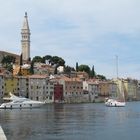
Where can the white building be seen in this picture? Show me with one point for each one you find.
(60, 69)
(93, 89)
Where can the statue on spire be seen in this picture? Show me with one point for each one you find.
(25, 14)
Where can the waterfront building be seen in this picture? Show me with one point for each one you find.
(112, 89)
(104, 89)
(138, 90)
(25, 41)
(41, 88)
(73, 89)
(130, 89)
(11, 85)
(58, 93)
(1, 86)
(23, 86)
(92, 87)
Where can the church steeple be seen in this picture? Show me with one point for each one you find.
(25, 41)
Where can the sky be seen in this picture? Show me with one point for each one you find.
(91, 32)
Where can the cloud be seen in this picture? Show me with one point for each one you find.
(84, 31)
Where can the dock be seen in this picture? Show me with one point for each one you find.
(2, 135)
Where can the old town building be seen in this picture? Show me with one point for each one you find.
(41, 88)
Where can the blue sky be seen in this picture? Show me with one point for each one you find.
(89, 32)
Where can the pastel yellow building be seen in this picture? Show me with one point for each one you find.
(11, 85)
(130, 89)
(104, 89)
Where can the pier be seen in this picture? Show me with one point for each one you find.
(2, 135)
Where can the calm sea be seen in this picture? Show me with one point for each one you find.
(73, 122)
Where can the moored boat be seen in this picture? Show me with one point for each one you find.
(20, 102)
(114, 103)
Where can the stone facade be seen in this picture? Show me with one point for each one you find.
(1, 87)
(25, 42)
(92, 87)
(23, 86)
(41, 89)
(73, 89)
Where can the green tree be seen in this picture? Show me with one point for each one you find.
(32, 67)
(102, 77)
(57, 60)
(77, 66)
(8, 62)
(10, 68)
(47, 57)
(21, 62)
(37, 59)
(55, 70)
(84, 68)
(92, 73)
(68, 69)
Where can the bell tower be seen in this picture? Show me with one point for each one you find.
(25, 39)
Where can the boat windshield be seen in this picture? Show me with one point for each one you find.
(20, 100)
(17, 101)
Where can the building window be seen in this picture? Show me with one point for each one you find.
(37, 98)
(50, 97)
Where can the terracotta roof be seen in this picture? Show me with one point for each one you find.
(70, 79)
(38, 76)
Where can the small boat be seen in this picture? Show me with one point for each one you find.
(20, 102)
(114, 103)
(119, 100)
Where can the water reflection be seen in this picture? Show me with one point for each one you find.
(71, 121)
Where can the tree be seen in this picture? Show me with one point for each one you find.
(92, 73)
(84, 68)
(77, 66)
(37, 59)
(47, 57)
(8, 59)
(102, 77)
(8, 62)
(57, 61)
(10, 68)
(32, 67)
(21, 60)
(68, 69)
(55, 70)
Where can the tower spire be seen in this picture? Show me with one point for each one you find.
(25, 14)
(25, 41)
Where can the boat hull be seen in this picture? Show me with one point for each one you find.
(19, 106)
(114, 103)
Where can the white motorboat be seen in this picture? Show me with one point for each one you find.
(20, 102)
